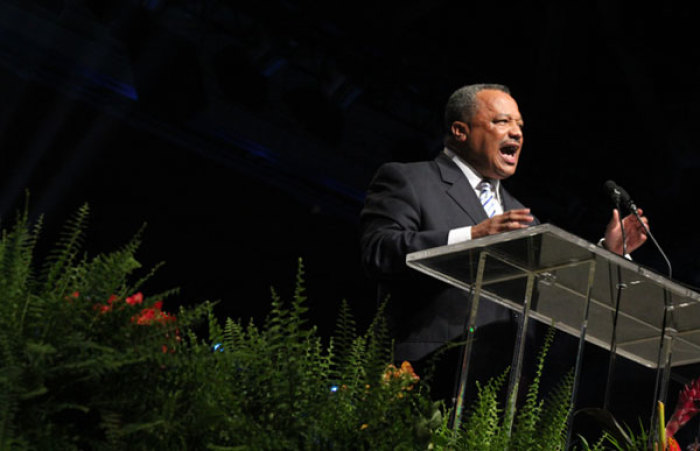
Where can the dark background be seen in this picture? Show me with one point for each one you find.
(245, 133)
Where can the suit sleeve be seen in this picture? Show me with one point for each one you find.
(392, 225)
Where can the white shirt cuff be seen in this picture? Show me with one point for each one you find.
(459, 235)
(601, 243)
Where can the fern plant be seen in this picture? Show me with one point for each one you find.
(539, 424)
(280, 387)
(73, 336)
(620, 438)
(89, 362)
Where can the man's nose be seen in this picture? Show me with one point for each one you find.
(515, 132)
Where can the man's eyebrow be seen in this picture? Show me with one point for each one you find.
(508, 116)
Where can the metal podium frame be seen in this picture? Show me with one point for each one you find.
(579, 288)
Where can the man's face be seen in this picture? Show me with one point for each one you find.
(494, 135)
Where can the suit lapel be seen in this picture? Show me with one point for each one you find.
(506, 199)
(509, 202)
(458, 188)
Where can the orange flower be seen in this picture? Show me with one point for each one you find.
(390, 372)
(405, 375)
(407, 369)
(673, 444)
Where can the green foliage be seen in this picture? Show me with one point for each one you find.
(280, 387)
(88, 362)
(77, 354)
(539, 423)
(615, 436)
(483, 425)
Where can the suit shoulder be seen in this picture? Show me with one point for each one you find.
(409, 168)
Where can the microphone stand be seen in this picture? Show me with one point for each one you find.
(633, 208)
(620, 286)
(659, 391)
(619, 194)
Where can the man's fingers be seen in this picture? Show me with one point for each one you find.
(521, 216)
(510, 220)
(513, 223)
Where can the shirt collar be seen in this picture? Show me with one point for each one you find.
(472, 175)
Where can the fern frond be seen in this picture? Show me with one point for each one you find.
(482, 422)
(298, 308)
(555, 415)
(529, 413)
(10, 381)
(344, 336)
(379, 343)
(112, 425)
(65, 252)
(16, 274)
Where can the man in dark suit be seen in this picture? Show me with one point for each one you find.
(456, 197)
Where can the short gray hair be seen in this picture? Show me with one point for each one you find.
(461, 105)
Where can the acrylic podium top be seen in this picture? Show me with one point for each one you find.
(564, 268)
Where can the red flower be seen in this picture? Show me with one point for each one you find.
(108, 307)
(686, 407)
(135, 299)
(150, 315)
(145, 317)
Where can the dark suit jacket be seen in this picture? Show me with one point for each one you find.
(411, 207)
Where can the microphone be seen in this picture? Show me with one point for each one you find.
(620, 196)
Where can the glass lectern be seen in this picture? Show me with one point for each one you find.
(552, 276)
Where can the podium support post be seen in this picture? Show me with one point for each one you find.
(456, 419)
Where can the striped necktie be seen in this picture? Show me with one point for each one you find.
(487, 198)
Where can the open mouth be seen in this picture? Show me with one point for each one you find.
(510, 152)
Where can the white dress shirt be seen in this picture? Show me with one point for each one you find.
(461, 234)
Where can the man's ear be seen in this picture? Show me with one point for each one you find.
(460, 131)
